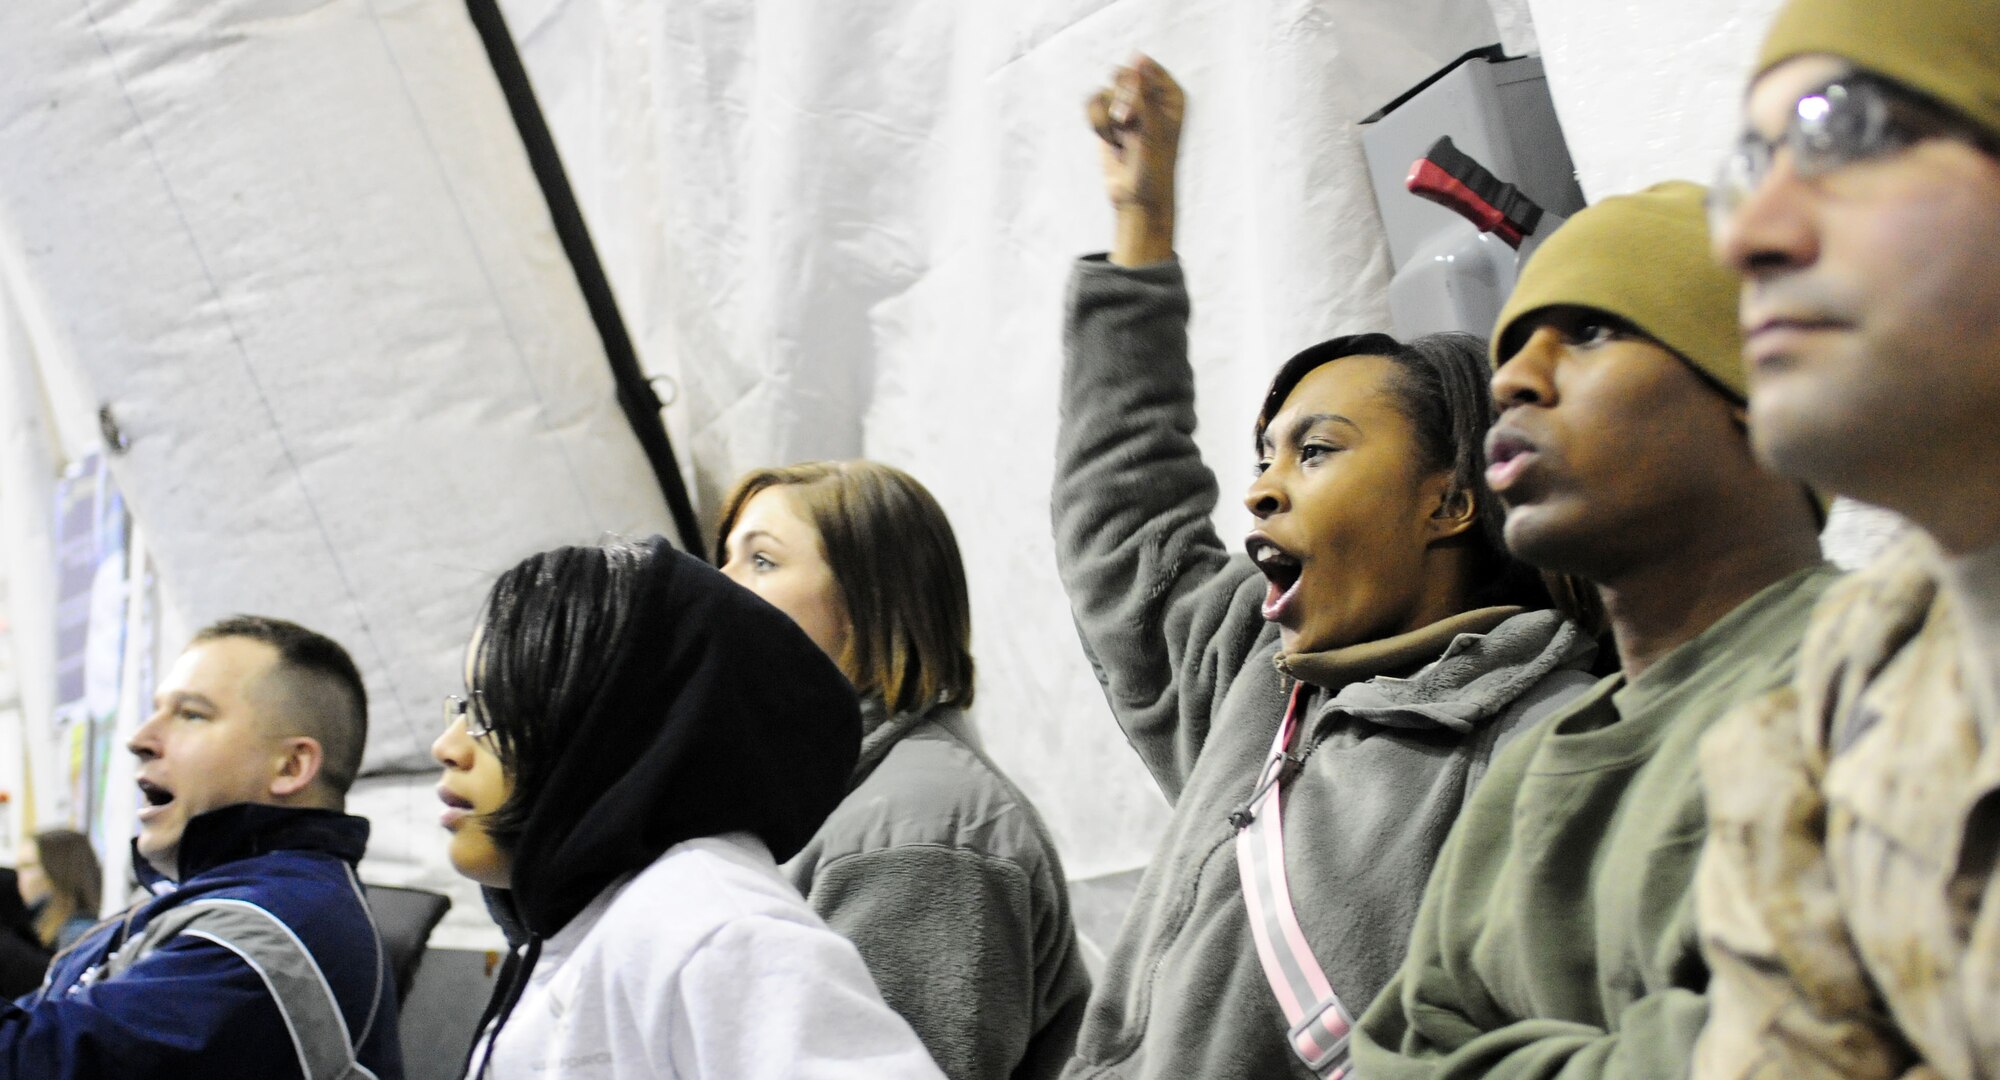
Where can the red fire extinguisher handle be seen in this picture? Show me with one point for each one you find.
(1447, 176)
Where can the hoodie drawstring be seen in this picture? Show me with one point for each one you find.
(513, 983)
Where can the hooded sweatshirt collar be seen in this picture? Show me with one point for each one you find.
(1452, 675)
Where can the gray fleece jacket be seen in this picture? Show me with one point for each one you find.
(942, 874)
(1173, 624)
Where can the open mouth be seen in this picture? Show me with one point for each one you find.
(1282, 571)
(152, 797)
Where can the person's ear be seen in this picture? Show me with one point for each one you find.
(299, 761)
(1740, 416)
(1453, 511)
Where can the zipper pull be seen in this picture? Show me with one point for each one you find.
(1289, 766)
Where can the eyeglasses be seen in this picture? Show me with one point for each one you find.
(458, 707)
(1854, 118)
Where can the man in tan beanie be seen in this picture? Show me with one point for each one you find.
(1556, 936)
(1849, 900)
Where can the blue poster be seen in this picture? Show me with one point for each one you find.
(90, 549)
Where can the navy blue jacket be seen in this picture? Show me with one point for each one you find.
(195, 1006)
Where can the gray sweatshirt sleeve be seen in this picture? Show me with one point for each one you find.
(1167, 616)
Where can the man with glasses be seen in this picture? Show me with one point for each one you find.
(255, 955)
(1848, 898)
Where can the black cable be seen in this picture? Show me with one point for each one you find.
(507, 991)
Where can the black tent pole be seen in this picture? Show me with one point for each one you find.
(635, 393)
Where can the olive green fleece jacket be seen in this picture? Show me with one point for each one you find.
(941, 873)
(1557, 936)
(1173, 623)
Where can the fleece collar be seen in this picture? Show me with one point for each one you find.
(1332, 669)
(1453, 674)
(882, 730)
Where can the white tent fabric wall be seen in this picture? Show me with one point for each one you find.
(1516, 24)
(1647, 91)
(1669, 115)
(303, 263)
(844, 229)
(297, 250)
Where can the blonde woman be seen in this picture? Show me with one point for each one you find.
(935, 865)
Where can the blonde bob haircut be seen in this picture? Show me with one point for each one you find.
(901, 580)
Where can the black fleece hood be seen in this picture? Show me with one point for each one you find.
(718, 715)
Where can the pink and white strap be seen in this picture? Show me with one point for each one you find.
(1319, 1023)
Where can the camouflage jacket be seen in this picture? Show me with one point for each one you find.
(1848, 896)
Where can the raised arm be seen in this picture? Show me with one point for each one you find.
(1164, 612)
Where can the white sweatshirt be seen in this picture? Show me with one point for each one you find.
(706, 965)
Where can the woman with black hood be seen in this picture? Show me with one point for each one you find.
(624, 772)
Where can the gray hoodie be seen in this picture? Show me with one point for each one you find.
(942, 874)
(1173, 624)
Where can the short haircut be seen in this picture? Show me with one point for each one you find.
(1443, 386)
(896, 560)
(322, 694)
(547, 641)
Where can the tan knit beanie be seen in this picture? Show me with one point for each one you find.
(1948, 49)
(1645, 259)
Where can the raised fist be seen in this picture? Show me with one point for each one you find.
(1138, 120)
